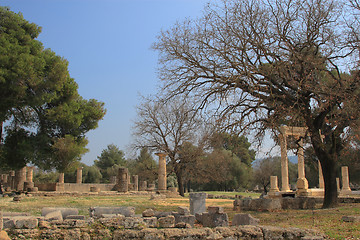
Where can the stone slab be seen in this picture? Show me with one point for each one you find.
(64, 211)
(98, 211)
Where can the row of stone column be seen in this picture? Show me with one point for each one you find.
(123, 178)
(19, 180)
(345, 189)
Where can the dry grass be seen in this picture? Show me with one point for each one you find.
(325, 220)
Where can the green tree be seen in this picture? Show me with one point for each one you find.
(67, 152)
(38, 96)
(260, 64)
(145, 166)
(109, 160)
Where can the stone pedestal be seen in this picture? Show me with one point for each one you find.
(79, 175)
(122, 184)
(162, 171)
(20, 178)
(136, 182)
(197, 203)
(345, 180)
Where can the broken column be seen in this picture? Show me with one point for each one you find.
(162, 172)
(284, 164)
(20, 178)
(29, 184)
(11, 179)
(345, 180)
(122, 184)
(61, 178)
(79, 175)
(274, 189)
(136, 182)
(143, 186)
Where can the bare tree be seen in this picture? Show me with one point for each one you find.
(165, 126)
(266, 63)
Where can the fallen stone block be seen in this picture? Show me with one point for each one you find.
(167, 222)
(189, 219)
(162, 214)
(56, 215)
(148, 213)
(98, 211)
(213, 220)
(353, 218)
(182, 225)
(64, 211)
(244, 219)
(28, 222)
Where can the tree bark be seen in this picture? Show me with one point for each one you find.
(328, 164)
(180, 183)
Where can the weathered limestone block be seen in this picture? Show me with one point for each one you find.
(244, 219)
(64, 211)
(133, 223)
(105, 215)
(4, 235)
(19, 222)
(55, 215)
(197, 202)
(167, 222)
(151, 222)
(126, 211)
(188, 219)
(213, 219)
(298, 203)
(148, 213)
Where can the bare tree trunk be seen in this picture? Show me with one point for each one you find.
(328, 166)
(180, 183)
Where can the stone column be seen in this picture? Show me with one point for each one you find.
(338, 184)
(20, 178)
(122, 184)
(345, 180)
(12, 179)
(143, 186)
(302, 183)
(284, 164)
(321, 177)
(162, 172)
(274, 184)
(113, 179)
(79, 175)
(29, 184)
(136, 182)
(4, 178)
(29, 174)
(61, 178)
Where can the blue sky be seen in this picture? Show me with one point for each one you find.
(108, 46)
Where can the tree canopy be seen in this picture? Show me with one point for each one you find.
(39, 104)
(271, 62)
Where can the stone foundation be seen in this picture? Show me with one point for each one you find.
(101, 232)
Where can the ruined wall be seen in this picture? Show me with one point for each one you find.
(73, 187)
